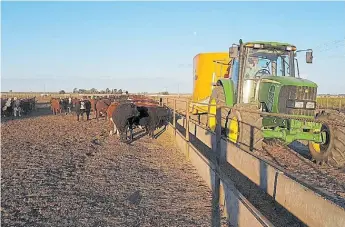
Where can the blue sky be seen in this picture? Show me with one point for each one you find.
(149, 46)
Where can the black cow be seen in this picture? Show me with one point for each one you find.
(122, 118)
(152, 118)
(83, 106)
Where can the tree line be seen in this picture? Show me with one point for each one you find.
(95, 91)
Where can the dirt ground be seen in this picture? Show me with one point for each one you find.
(60, 172)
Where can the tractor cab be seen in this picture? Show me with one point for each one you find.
(257, 61)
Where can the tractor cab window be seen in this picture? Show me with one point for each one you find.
(264, 62)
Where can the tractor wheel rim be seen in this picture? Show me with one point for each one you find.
(322, 147)
(316, 147)
(212, 115)
(233, 130)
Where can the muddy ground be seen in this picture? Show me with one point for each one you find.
(60, 172)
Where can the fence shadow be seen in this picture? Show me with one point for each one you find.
(218, 209)
(255, 194)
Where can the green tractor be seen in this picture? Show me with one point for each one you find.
(262, 79)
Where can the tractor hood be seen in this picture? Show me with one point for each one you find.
(288, 80)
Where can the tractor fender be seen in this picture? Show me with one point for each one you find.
(228, 87)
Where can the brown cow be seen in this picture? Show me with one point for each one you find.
(110, 111)
(101, 107)
(93, 104)
(55, 105)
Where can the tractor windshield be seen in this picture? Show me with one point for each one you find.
(263, 62)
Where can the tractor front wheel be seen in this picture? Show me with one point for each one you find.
(245, 128)
(242, 128)
(217, 98)
(332, 150)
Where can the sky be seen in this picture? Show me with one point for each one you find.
(149, 46)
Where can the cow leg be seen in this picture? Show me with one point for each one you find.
(88, 115)
(130, 131)
(152, 133)
(112, 127)
(117, 132)
(77, 116)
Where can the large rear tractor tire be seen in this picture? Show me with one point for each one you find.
(332, 151)
(245, 128)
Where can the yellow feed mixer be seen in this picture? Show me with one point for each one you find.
(207, 69)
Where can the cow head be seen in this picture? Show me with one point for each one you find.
(134, 110)
(167, 112)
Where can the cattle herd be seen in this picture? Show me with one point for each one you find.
(124, 113)
(17, 107)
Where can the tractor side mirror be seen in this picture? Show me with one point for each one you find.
(309, 57)
(233, 51)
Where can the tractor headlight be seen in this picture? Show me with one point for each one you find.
(257, 45)
(294, 104)
(310, 105)
(299, 104)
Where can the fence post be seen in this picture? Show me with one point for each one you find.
(187, 121)
(174, 117)
(187, 130)
(218, 133)
(327, 102)
(218, 190)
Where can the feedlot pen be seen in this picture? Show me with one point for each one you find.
(60, 172)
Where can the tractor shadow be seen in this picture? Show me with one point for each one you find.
(301, 149)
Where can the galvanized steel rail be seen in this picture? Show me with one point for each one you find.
(306, 204)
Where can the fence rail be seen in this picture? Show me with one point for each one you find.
(305, 203)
